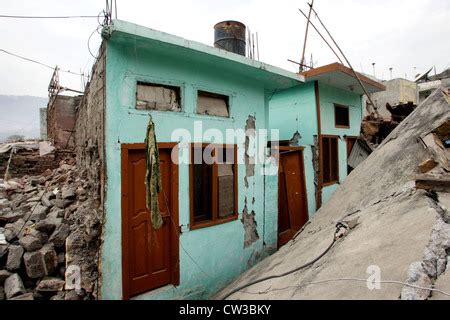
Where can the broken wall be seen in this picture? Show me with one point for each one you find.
(61, 120)
(84, 245)
(29, 162)
(89, 128)
(398, 92)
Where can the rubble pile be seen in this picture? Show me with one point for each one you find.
(375, 131)
(49, 233)
(26, 158)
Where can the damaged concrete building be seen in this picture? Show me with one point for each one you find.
(392, 106)
(218, 219)
(231, 207)
(428, 84)
(385, 233)
(325, 113)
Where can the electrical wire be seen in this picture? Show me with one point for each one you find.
(89, 40)
(351, 280)
(338, 228)
(39, 63)
(46, 17)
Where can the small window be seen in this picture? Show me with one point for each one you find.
(330, 160)
(157, 97)
(213, 104)
(341, 116)
(213, 185)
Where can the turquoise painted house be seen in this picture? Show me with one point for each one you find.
(241, 148)
(324, 116)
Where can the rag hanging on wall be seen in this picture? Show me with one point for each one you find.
(153, 175)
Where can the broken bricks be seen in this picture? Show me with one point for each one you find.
(35, 240)
(14, 286)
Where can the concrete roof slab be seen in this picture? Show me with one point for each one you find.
(273, 78)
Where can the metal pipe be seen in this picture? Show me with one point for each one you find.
(349, 64)
(257, 44)
(302, 61)
(300, 64)
(318, 32)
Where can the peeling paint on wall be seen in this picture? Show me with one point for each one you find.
(249, 157)
(295, 141)
(249, 222)
(316, 166)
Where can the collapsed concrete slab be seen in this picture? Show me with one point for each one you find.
(398, 237)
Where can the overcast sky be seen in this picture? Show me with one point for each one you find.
(401, 34)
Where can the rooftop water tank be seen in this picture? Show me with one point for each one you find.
(230, 36)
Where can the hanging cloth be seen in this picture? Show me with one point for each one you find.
(153, 176)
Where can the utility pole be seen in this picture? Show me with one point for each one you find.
(373, 65)
(302, 61)
(390, 69)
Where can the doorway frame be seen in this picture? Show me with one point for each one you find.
(175, 245)
(289, 149)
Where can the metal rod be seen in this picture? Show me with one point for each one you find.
(115, 6)
(303, 65)
(318, 32)
(9, 162)
(253, 45)
(349, 64)
(257, 44)
(302, 61)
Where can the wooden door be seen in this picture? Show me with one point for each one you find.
(292, 200)
(351, 141)
(150, 257)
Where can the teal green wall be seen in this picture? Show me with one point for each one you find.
(218, 250)
(294, 110)
(328, 97)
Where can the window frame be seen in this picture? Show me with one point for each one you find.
(212, 94)
(331, 182)
(215, 220)
(340, 126)
(177, 87)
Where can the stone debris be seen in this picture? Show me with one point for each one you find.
(3, 276)
(26, 296)
(51, 285)
(30, 243)
(14, 286)
(14, 261)
(59, 236)
(38, 215)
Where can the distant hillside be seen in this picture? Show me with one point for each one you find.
(20, 116)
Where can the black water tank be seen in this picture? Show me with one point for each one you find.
(230, 36)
